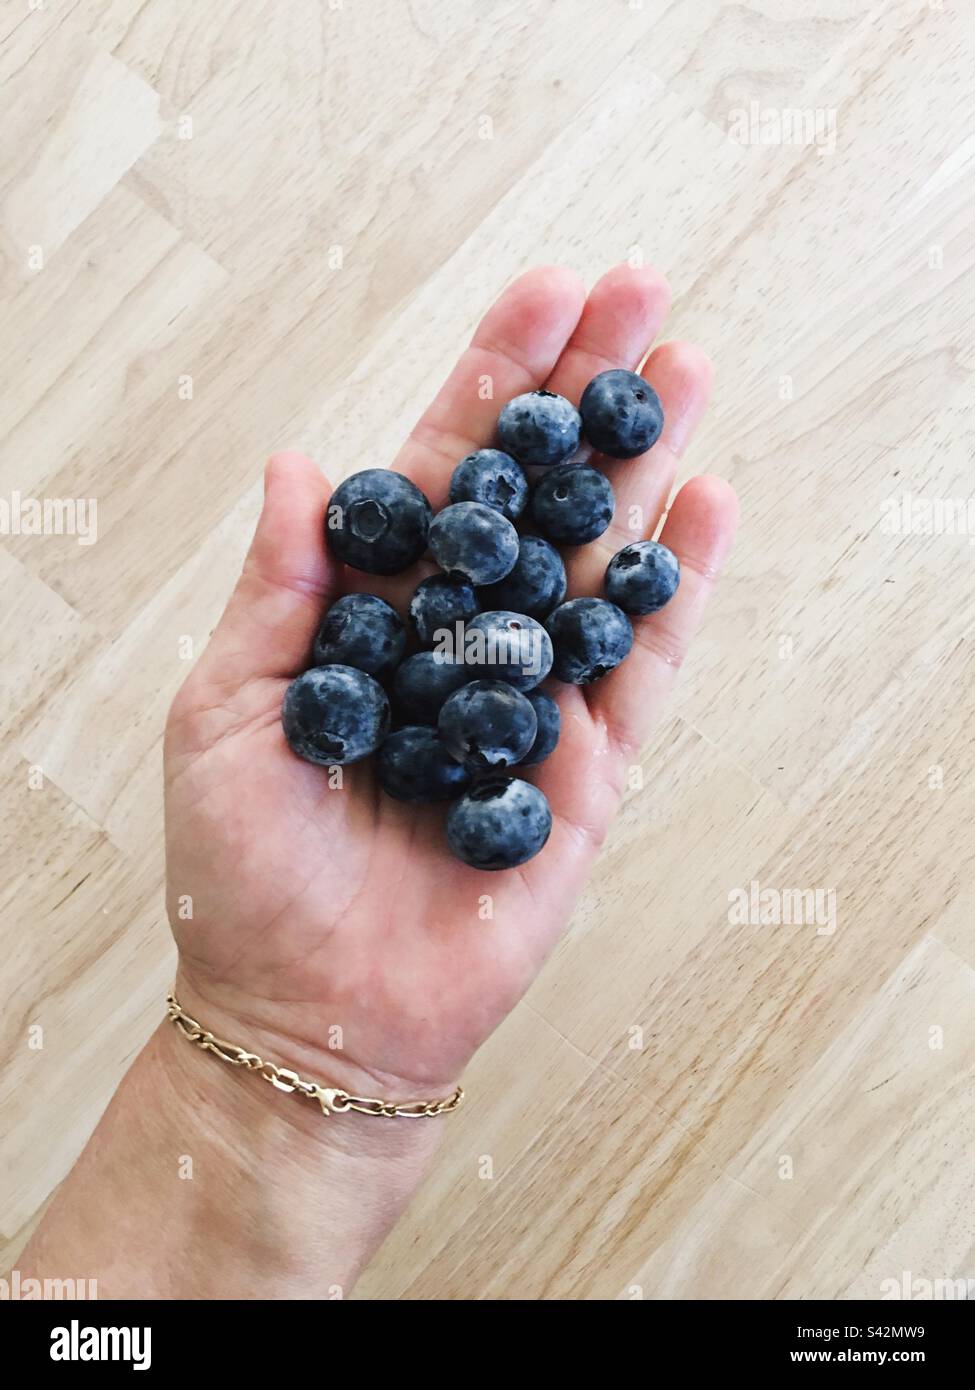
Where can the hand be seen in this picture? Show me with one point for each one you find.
(317, 907)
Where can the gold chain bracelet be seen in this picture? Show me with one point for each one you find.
(332, 1100)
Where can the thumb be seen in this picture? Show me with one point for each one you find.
(287, 581)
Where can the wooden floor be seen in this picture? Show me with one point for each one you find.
(229, 229)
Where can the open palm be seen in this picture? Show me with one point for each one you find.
(318, 918)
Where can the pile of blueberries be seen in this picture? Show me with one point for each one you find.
(450, 719)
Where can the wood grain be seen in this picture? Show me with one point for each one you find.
(229, 229)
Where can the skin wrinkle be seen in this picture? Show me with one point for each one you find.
(619, 737)
(505, 353)
(185, 710)
(598, 362)
(653, 641)
(378, 1077)
(311, 589)
(311, 821)
(450, 448)
(244, 729)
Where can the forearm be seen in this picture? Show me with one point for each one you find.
(201, 1181)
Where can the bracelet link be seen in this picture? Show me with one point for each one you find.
(331, 1100)
(281, 1077)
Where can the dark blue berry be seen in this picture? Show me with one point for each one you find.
(424, 681)
(414, 765)
(439, 604)
(642, 577)
(334, 715)
(591, 637)
(549, 722)
(535, 586)
(493, 478)
(621, 414)
(508, 646)
(487, 724)
(361, 630)
(471, 541)
(378, 521)
(574, 504)
(500, 823)
(539, 428)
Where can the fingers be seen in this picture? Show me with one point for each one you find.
(516, 345)
(288, 579)
(621, 318)
(542, 330)
(700, 530)
(681, 375)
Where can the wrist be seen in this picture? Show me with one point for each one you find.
(301, 1199)
(277, 1042)
(285, 1109)
(215, 1185)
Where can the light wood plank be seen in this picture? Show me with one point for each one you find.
(626, 1125)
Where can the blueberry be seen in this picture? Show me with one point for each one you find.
(506, 646)
(361, 630)
(535, 586)
(440, 603)
(414, 765)
(424, 681)
(378, 521)
(574, 504)
(591, 638)
(539, 428)
(549, 722)
(491, 477)
(334, 715)
(472, 541)
(487, 724)
(642, 577)
(500, 823)
(621, 414)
